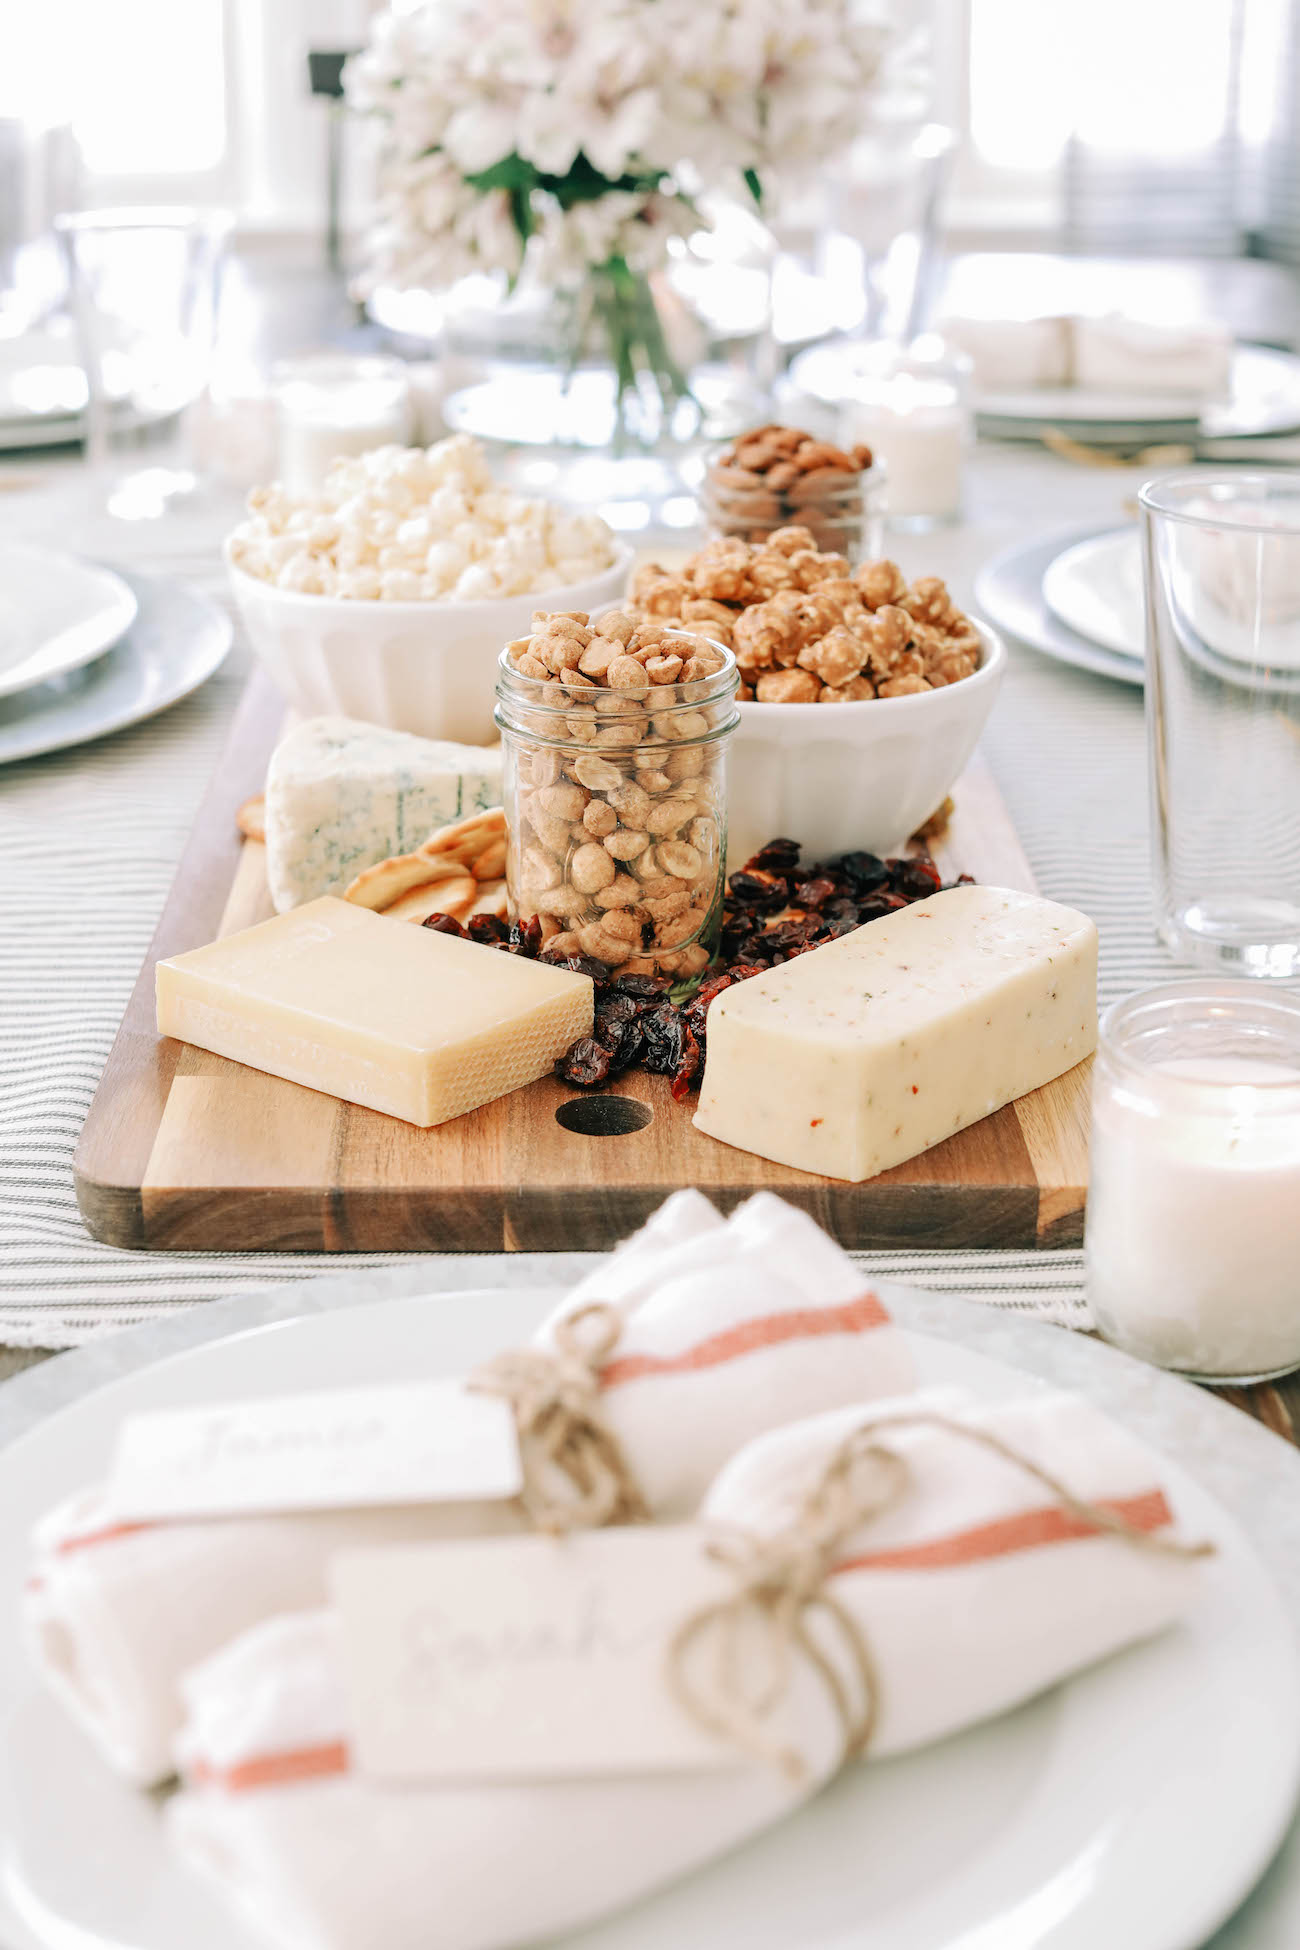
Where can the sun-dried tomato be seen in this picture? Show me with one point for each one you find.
(688, 1066)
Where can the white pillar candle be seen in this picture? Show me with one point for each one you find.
(918, 427)
(1193, 1230)
(328, 407)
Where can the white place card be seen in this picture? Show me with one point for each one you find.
(409, 1442)
(528, 1657)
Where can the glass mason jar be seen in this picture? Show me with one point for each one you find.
(616, 814)
(1192, 1245)
(844, 512)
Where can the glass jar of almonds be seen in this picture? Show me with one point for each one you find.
(615, 733)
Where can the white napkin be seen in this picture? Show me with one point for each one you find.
(1127, 355)
(731, 1328)
(974, 1592)
(1012, 355)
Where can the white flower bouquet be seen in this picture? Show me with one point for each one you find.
(580, 132)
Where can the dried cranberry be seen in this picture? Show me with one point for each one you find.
(579, 965)
(490, 929)
(642, 987)
(865, 870)
(786, 935)
(815, 893)
(584, 1063)
(766, 891)
(915, 878)
(663, 1031)
(444, 924)
(778, 855)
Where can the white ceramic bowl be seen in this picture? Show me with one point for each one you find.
(427, 667)
(841, 776)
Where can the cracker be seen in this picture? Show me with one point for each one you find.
(491, 863)
(251, 817)
(453, 896)
(379, 886)
(467, 838)
(492, 900)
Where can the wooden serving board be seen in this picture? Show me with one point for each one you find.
(186, 1151)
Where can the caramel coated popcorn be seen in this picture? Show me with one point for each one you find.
(804, 629)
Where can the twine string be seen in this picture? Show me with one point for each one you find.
(782, 1583)
(576, 1476)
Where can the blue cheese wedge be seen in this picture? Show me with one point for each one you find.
(341, 795)
(868, 1050)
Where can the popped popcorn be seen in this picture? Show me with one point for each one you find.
(412, 524)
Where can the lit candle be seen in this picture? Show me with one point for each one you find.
(1193, 1230)
(910, 408)
(331, 406)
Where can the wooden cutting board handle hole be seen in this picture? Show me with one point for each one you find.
(604, 1116)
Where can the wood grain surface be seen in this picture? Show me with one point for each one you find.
(187, 1151)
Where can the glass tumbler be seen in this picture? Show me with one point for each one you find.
(1192, 1245)
(616, 814)
(1222, 576)
(144, 285)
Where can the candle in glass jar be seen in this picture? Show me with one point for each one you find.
(910, 408)
(327, 407)
(1193, 1231)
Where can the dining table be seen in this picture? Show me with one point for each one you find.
(91, 836)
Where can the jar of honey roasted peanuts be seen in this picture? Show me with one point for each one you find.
(615, 734)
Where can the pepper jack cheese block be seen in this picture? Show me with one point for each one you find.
(403, 1020)
(341, 795)
(861, 1053)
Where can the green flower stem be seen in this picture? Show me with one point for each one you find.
(622, 301)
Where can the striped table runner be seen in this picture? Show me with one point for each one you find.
(89, 840)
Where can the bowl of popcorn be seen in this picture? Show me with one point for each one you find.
(862, 695)
(388, 595)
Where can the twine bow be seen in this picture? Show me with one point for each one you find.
(576, 1476)
(783, 1582)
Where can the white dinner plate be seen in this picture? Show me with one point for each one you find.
(1134, 1805)
(1095, 589)
(1009, 595)
(177, 640)
(1263, 397)
(57, 613)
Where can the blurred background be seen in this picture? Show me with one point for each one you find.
(1045, 156)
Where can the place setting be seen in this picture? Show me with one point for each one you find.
(650, 1265)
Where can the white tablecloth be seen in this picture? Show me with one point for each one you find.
(89, 840)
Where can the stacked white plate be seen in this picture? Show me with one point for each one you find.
(85, 650)
(1079, 598)
(1076, 597)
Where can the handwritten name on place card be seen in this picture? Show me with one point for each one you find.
(529, 1657)
(411, 1442)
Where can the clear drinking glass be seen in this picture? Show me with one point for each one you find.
(1222, 573)
(144, 286)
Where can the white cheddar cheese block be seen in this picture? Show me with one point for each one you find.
(404, 1020)
(861, 1053)
(341, 795)
(1126, 355)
